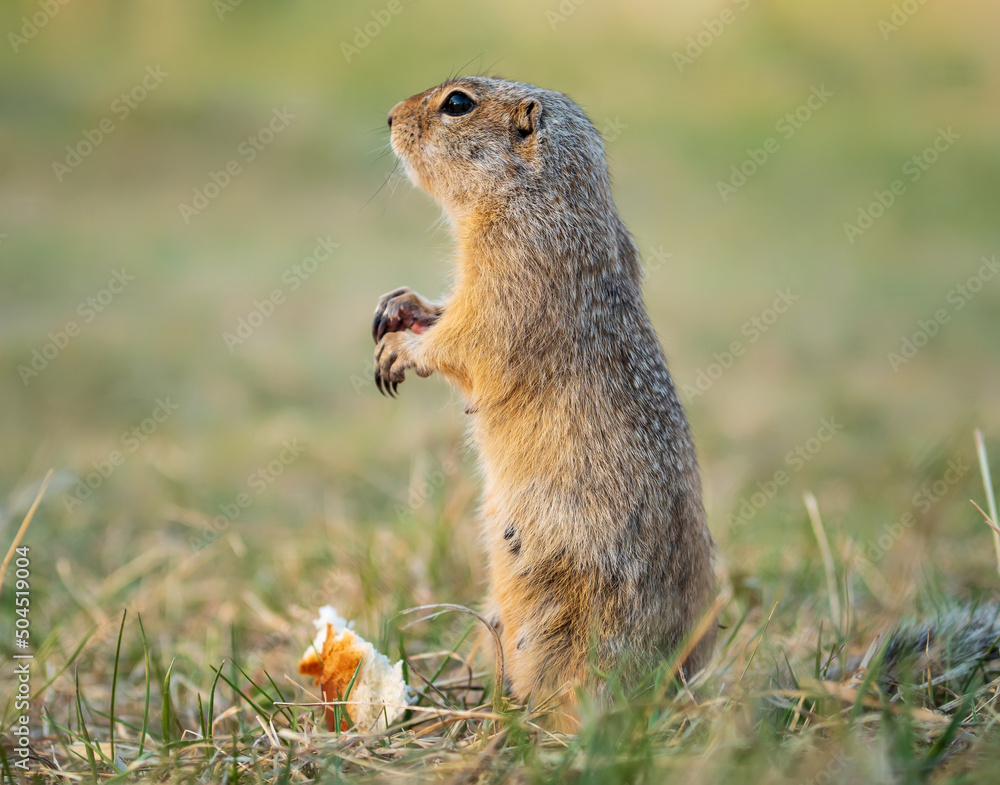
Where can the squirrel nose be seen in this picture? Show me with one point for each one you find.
(393, 112)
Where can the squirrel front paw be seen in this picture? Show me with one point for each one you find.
(393, 358)
(403, 309)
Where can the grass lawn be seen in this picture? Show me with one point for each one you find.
(196, 220)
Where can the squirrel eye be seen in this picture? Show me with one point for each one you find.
(457, 103)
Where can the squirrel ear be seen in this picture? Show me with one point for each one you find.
(527, 118)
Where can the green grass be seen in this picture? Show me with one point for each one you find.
(374, 510)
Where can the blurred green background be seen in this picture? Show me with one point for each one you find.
(683, 91)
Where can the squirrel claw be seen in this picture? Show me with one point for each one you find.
(402, 309)
(386, 387)
(392, 361)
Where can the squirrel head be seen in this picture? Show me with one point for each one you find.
(483, 146)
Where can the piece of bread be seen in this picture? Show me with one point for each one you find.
(379, 694)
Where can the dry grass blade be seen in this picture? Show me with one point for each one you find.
(463, 714)
(429, 683)
(760, 640)
(812, 506)
(851, 696)
(439, 609)
(984, 468)
(268, 731)
(989, 521)
(24, 527)
(707, 620)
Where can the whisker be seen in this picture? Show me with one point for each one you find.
(459, 71)
(384, 182)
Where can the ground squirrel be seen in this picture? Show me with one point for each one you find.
(599, 554)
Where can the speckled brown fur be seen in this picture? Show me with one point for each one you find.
(598, 550)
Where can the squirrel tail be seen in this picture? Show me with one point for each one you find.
(946, 651)
(944, 655)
